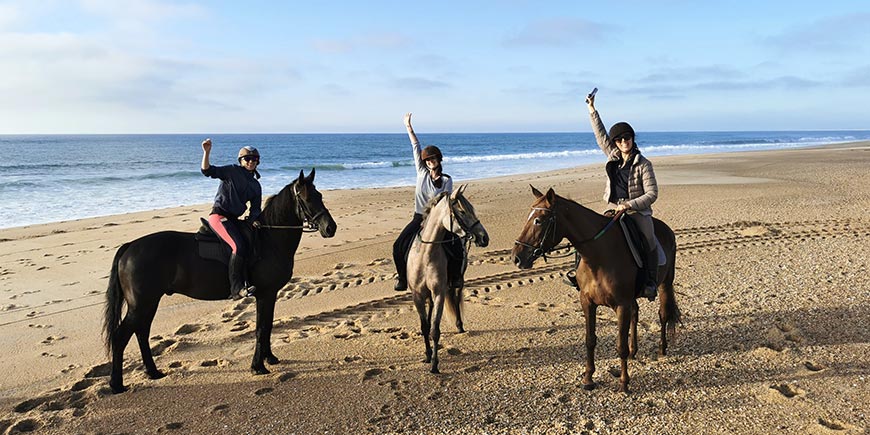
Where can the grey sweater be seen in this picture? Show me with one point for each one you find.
(426, 189)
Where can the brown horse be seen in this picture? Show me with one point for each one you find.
(606, 274)
(168, 262)
(427, 264)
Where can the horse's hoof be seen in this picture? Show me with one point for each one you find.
(118, 389)
(260, 370)
(623, 389)
(461, 330)
(272, 359)
(589, 387)
(156, 375)
(434, 371)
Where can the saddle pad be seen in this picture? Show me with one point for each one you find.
(634, 253)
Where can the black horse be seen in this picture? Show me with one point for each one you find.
(168, 262)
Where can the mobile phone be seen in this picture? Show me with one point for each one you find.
(592, 94)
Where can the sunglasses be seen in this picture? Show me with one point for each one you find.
(251, 159)
(623, 138)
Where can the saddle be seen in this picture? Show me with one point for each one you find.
(637, 243)
(211, 247)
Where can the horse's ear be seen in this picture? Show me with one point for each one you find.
(551, 196)
(536, 192)
(301, 176)
(462, 188)
(310, 177)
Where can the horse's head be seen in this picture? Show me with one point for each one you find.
(465, 220)
(309, 205)
(540, 232)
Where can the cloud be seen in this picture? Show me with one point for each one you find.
(680, 90)
(556, 32)
(419, 83)
(665, 75)
(836, 34)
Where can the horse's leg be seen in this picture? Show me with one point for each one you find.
(424, 324)
(624, 318)
(143, 330)
(119, 342)
(632, 344)
(436, 329)
(456, 302)
(263, 346)
(590, 310)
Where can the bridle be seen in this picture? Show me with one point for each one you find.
(467, 229)
(303, 212)
(550, 229)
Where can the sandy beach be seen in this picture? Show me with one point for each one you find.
(771, 277)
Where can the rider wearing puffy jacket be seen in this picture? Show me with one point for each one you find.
(631, 184)
(239, 186)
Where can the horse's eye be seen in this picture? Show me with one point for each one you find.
(537, 221)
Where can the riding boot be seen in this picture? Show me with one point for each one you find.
(650, 287)
(238, 286)
(455, 263)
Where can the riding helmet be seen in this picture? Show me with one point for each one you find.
(430, 152)
(248, 151)
(619, 129)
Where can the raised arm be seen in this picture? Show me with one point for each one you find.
(415, 143)
(206, 150)
(604, 142)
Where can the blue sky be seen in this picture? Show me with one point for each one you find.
(159, 66)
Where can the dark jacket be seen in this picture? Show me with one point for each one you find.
(238, 187)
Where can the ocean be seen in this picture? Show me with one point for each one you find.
(51, 178)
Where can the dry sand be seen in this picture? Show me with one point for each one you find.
(772, 280)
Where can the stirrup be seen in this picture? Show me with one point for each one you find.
(650, 292)
(571, 279)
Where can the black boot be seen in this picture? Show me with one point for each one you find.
(650, 287)
(401, 284)
(571, 279)
(238, 286)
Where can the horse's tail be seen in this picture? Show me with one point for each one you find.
(114, 300)
(670, 314)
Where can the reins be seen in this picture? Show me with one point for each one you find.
(538, 251)
(308, 220)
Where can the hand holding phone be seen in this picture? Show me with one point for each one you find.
(590, 98)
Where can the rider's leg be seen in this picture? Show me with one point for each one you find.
(400, 251)
(455, 261)
(228, 232)
(651, 259)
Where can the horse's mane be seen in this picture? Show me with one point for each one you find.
(277, 206)
(433, 202)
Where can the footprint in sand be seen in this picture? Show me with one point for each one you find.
(222, 408)
(286, 376)
(836, 425)
(170, 426)
(786, 390)
(189, 328)
(163, 346)
(813, 367)
(52, 339)
(25, 426)
(371, 373)
(99, 371)
(263, 391)
(53, 355)
(209, 363)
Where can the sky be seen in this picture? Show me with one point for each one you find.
(160, 66)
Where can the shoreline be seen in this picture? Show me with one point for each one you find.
(204, 207)
(771, 266)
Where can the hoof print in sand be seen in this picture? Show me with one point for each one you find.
(170, 426)
(786, 390)
(286, 376)
(371, 373)
(263, 391)
(189, 328)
